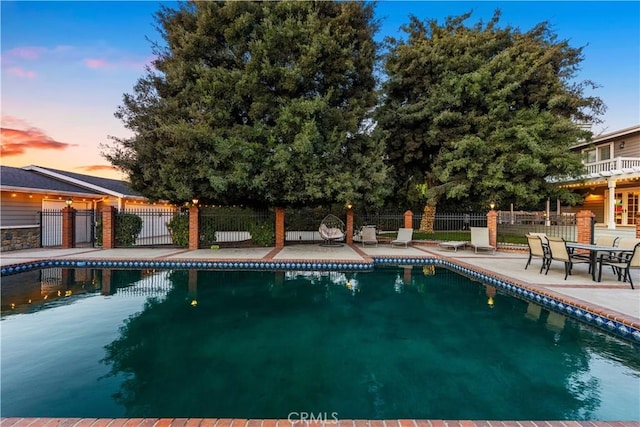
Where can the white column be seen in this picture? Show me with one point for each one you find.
(611, 206)
(547, 221)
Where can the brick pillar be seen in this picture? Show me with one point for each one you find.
(194, 228)
(584, 219)
(68, 227)
(108, 227)
(408, 219)
(638, 225)
(349, 226)
(492, 225)
(280, 227)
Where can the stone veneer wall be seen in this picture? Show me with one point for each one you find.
(20, 238)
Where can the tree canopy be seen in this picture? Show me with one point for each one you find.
(482, 113)
(256, 103)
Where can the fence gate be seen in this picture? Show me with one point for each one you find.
(50, 228)
(85, 228)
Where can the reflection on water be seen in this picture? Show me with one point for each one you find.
(395, 343)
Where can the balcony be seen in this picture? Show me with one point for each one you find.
(611, 167)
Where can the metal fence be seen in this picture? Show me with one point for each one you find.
(302, 224)
(144, 227)
(231, 226)
(513, 225)
(51, 228)
(383, 221)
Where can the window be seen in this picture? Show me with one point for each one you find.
(598, 154)
(604, 152)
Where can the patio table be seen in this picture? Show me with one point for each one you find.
(593, 254)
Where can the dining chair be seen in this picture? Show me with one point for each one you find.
(622, 265)
(558, 251)
(606, 240)
(539, 249)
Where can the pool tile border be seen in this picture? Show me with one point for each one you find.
(616, 325)
(241, 422)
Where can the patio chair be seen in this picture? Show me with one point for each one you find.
(331, 230)
(480, 239)
(368, 236)
(539, 249)
(405, 235)
(622, 264)
(606, 240)
(558, 251)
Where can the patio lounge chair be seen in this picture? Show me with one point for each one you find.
(405, 235)
(368, 236)
(480, 239)
(331, 230)
(453, 244)
(559, 252)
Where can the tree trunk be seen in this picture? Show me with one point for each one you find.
(428, 219)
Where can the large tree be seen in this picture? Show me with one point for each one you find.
(482, 113)
(262, 103)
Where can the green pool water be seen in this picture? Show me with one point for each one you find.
(388, 344)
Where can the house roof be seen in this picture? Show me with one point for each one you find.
(40, 179)
(605, 137)
(20, 179)
(109, 186)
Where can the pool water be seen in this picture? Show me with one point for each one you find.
(419, 342)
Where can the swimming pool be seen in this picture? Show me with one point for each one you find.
(412, 342)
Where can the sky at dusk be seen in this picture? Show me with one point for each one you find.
(66, 65)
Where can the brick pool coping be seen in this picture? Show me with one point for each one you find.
(240, 422)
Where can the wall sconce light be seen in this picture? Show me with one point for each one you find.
(492, 205)
(622, 144)
(69, 202)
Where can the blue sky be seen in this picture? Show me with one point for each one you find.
(66, 65)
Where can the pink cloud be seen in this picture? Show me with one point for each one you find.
(96, 168)
(97, 63)
(26, 52)
(15, 142)
(22, 73)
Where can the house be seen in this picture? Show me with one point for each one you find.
(33, 196)
(612, 179)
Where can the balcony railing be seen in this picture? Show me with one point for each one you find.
(622, 164)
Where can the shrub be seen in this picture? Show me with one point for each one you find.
(179, 229)
(99, 231)
(263, 233)
(128, 227)
(207, 234)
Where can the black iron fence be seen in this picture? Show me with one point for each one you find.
(85, 235)
(51, 228)
(145, 227)
(231, 226)
(235, 226)
(512, 226)
(383, 221)
(302, 224)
